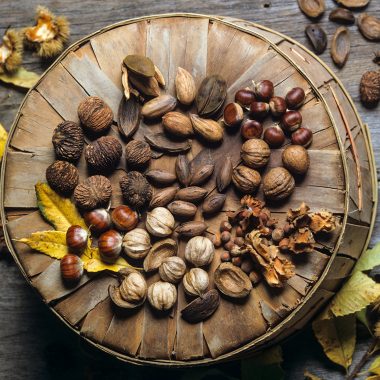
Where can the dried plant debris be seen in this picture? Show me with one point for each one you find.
(340, 46)
(11, 49)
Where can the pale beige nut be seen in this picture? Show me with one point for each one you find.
(185, 86)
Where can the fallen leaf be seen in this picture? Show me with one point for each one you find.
(58, 211)
(368, 260)
(337, 336)
(362, 317)
(20, 78)
(3, 139)
(309, 376)
(375, 366)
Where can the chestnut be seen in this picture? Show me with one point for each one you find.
(76, 238)
(302, 136)
(98, 220)
(71, 268)
(245, 97)
(277, 106)
(291, 121)
(259, 110)
(110, 245)
(233, 114)
(251, 129)
(264, 90)
(274, 136)
(124, 218)
(295, 98)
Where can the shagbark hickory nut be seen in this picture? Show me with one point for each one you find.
(278, 184)
(274, 136)
(277, 106)
(110, 245)
(264, 90)
(259, 110)
(93, 192)
(296, 159)
(136, 243)
(302, 136)
(136, 189)
(291, 121)
(245, 97)
(255, 153)
(196, 282)
(172, 269)
(68, 141)
(124, 218)
(95, 114)
(137, 153)
(160, 222)
(71, 268)
(62, 177)
(162, 295)
(251, 129)
(246, 180)
(295, 98)
(98, 220)
(199, 251)
(233, 114)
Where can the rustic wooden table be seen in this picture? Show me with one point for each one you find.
(34, 344)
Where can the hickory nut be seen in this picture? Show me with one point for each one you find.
(255, 153)
(172, 269)
(162, 295)
(136, 243)
(160, 222)
(185, 86)
(195, 282)
(199, 251)
(95, 114)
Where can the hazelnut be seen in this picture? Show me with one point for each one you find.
(245, 97)
(136, 243)
(251, 129)
(225, 256)
(172, 269)
(302, 136)
(93, 192)
(277, 106)
(137, 153)
(76, 238)
(233, 114)
(199, 251)
(103, 154)
(225, 226)
(98, 220)
(291, 121)
(370, 88)
(264, 90)
(284, 244)
(62, 177)
(255, 153)
(95, 114)
(239, 241)
(247, 265)
(237, 261)
(246, 180)
(255, 277)
(68, 141)
(110, 245)
(274, 136)
(295, 98)
(278, 184)
(229, 245)
(277, 235)
(71, 268)
(225, 237)
(239, 231)
(259, 110)
(124, 218)
(216, 240)
(196, 282)
(136, 189)
(296, 159)
(162, 295)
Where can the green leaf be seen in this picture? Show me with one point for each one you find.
(3, 139)
(375, 366)
(20, 78)
(368, 260)
(337, 336)
(362, 317)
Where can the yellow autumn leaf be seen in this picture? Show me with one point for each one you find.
(3, 139)
(58, 211)
(337, 336)
(309, 376)
(52, 243)
(368, 260)
(375, 366)
(20, 78)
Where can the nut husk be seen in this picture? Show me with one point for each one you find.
(208, 129)
(68, 141)
(160, 222)
(135, 189)
(128, 117)
(312, 8)
(202, 307)
(163, 197)
(232, 281)
(278, 184)
(247, 180)
(255, 153)
(147, 86)
(172, 269)
(213, 203)
(182, 169)
(158, 106)
(202, 175)
(162, 143)
(137, 153)
(342, 16)
(185, 86)
(159, 251)
(177, 124)
(370, 88)
(195, 282)
(224, 175)
(369, 26)
(317, 37)
(162, 295)
(139, 65)
(190, 229)
(191, 194)
(182, 209)
(340, 46)
(160, 177)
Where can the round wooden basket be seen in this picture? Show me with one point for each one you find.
(342, 179)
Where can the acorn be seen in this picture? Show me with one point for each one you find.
(295, 98)
(302, 136)
(259, 110)
(245, 97)
(264, 90)
(110, 245)
(76, 238)
(251, 129)
(233, 114)
(277, 106)
(98, 220)
(291, 121)
(124, 218)
(71, 268)
(274, 136)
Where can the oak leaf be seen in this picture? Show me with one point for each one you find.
(20, 78)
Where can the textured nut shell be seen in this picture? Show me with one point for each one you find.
(136, 243)
(278, 184)
(224, 175)
(213, 203)
(172, 269)
(247, 180)
(209, 129)
(185, 86)
(136, 189)
(195, 282)
(162, 197)
(296, 159)
(312, 8)
(199, 251)
(182, 209)
(95, 114)
(177, 124)
(158, 106)
(137, 153)
(191, 194)
(162, 295)
(370, 88)
(160, 222)
(202, 307)
(190, 229)
(369, 26)
(93, 192)
(134, 288)
(68, 141)
(255, 153)
(62, 177)
(159, 251)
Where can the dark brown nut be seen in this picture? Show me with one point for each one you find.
(211, 95)
(95, 115)
(277, 106)
(369, 26)
(137, 153)
(277, 235)
(239, 241)
(317, 37)
(225, 257)
(160, 177)
(225, 237)
(278, 184)
(182, 169)
(296, 159)
(302, 136)
(340, 46)
(342, 16)
(247, 265)
(264, 90)
(291, 121)
(233, 114)
(202, 307)
(62, 177)
(68, 141)
(370, 88)
(246, 180)
(239, 231)
(237, 261)
(259, 110)
(224, 176)
(202, 175)
(295, 98)
(135, 189)
(245, 97)
(178, 124)
(255, 153)
(98, 220)
(94, 192)
(216, 240)
(163, 197)
(71, 268)
(213, 203)
(103, 154)
(312, 8)
(255, 277)
(124, 218)
(274, 136)
(182, 209)
(251, 129)
(191, 194)
(191, 229)
(229, 246)
(225, 226)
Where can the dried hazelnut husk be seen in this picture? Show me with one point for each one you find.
(295, 98)
(162, 295)
(233, 114)
(136, 189)
(62, 177)
(124, 218)
(160, 222)
(296, 159)
(172, 269)
(137, 153)
(370, 88)
(302, 136)
(103, 154)
(93, 192)
(278, 184)
(251, 129)
(277, 235)
(274, 136)
(11, 49)
(199, 251)
(255, 153)
(136, 243)
(95, 115)
(291, 121)
(247, 180)
(322, 221)
(196, 282)
(68, 141)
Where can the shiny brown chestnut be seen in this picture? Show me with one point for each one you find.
(274, 136)
(259, 110)
(76, 238)
(302, 136)
(291, 120)
(251, 129)
(98, 220)
(264, 90)
(71, 268)
(277, 106)
(295, 98)
(110, 245)
(124, 218)
(245, 97)
(233, 114)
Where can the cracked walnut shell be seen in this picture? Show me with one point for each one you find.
(322, 221)
(278, 184)
(95, 114)
(68, 141)
(94, 192)
(62, 177)
(136, 189)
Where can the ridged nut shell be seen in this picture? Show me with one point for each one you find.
(196, 282)
(278, 184)
(247, 180)
(136, 189)
(136, 243)
(160, 222)
(255, 153)
(209, 129)
(160, 250)
(177, 124)
(172, 269)
(137, 153)
(94, 192)
(199, 251)
(62, 177)
(95, 114)
(68, 141)
(162, 295)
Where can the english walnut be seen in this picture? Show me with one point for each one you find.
(62, 177)
(136, 189)
(255, 153)
(94, 192)
(103, 154)
(296, 159)
(137, 153)
(370, 88)
(278, 184)
(247, 180)
(68, 141)
(95, 114)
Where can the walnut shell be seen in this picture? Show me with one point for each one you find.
(95, 114)
(247, 180)
(370, 88)
(68, 141)
(137, 153)
(103, 154)
(94, 192)
(278, 184)
(255, 153)
(136, 189)
(62, 177)
(296, 159)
